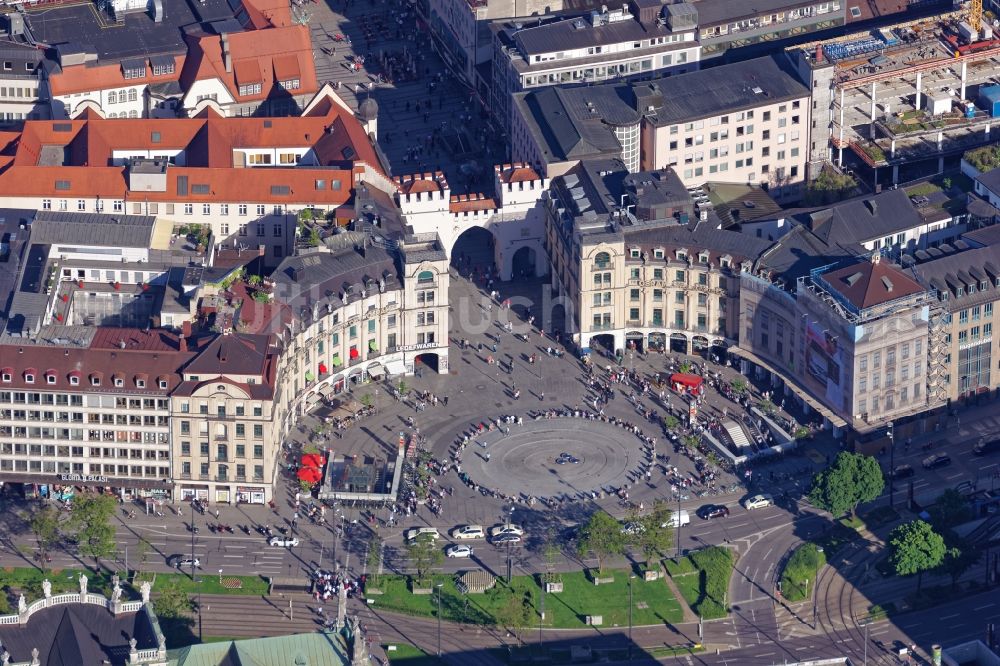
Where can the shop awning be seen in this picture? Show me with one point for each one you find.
(686, 379)
(326, 389)
(373, 345)
(376, 371)
(310, 376)
(336, 362)
(313, 399)
(395, 368)
(354, 354)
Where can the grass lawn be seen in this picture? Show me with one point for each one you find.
(852, 522)
(923, 189)
(799, 575)
(249, 585)
(679, 567)
(704, 589)
(880, 516)
(29, 580)
(407, 655)
(654, 604)
(835, 538)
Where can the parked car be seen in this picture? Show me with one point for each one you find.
(936, 461)
(283, 542)
(566, 458)
(757, 501)
(414, 533)
(901, 472)
(710, 511)
(985, 446)
(506, 538)
(509, 528)
(458, 550)
(678, 519)
(186, 562)
(632, 529)
(468, 532)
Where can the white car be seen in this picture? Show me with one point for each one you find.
(283, 542)
(186, 562)
(632, 529)
(758, 501)
(509, 528)
(459, 550)
(415, 533)
(468, 532)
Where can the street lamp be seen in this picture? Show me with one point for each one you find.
(892, 459)
(220, 576)
(439, 586)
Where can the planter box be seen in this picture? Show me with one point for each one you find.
(373, 591)
(603, 580)
(553, 588)
(422, 590)
(595, 620)
(651, 575)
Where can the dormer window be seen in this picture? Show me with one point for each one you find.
(634, 253)
(959, 291)
(703, 257)
(74, 380)
(119, 382)
(95, 380)
(725, 262)
(658, 253)
(29, 378)
(681, 255)
(972, 289)
(140, 383)
(163, 383)
(50, 379)
(983, 284)
(134, 69)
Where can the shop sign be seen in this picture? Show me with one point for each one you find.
(248, 489)
(83, 478)
(424, 345)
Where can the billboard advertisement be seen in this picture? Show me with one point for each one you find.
(825, 364)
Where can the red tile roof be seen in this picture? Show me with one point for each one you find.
(93, 76)
(336, 138)
(868, 283)
(463, 203)
(422, 182)
(516, 173)
(257, 57)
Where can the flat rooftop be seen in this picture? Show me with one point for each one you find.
(85, 26)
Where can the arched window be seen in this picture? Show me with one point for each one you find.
(133, 114)
(602, 260)
(131, 94)
(112, 115)
(112, 97)
(425, 277)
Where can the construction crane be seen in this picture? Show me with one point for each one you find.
(976, 15)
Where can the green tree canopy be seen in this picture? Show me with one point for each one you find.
(852, 479)
(916, 548)
(829, 187)
(424, 555)
(653, 539)
(950, 509)
(602, 536)
(91, 522)
(45, 526)
(957, 561)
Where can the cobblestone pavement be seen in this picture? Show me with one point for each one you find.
(428, 120)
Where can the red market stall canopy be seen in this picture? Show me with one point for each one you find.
(310, 474)
(688, 381)
(312, 460)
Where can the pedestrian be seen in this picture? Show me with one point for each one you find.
(216, 514)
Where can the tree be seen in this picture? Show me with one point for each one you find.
(671, 422)
(957, 561)
(767, 407)
(656, 536)
(424, 555)
(94, 533)
(366, 400)
(950, 509)
(142, 550)
(403, 388)
(829, 187)
(173, 603)
(691, 441)
(916, 548)
(739, 386)
(45, 526)
(516, 614)
(602, 536)
(852, 479)
(551, 553)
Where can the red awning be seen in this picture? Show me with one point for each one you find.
(685, 379)
(322, 369)
(310, 474)
(354, 353)
(312, 460)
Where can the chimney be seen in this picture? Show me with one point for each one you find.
(227, 57)
(819, 53)
(185, 334)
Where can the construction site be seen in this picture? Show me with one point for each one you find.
(908, 100)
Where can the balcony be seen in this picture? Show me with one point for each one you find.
(602, 327)
(185, 475)
(222, 477)
(203, 477)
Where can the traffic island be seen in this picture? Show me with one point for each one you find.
(702, 577)
(798, 578)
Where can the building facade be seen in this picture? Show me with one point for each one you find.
(645, 275)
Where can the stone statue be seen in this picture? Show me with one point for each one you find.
(47, 588)
(34, 657)
(5, 658)
(144, 590)
(83, 585)
(115, 580)
(162, 642)
(116, 593)
(22, 605)
(359, 653)
(132, 643)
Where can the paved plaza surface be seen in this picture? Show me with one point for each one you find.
(553, 457)
(761, 629)
(428, 119)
